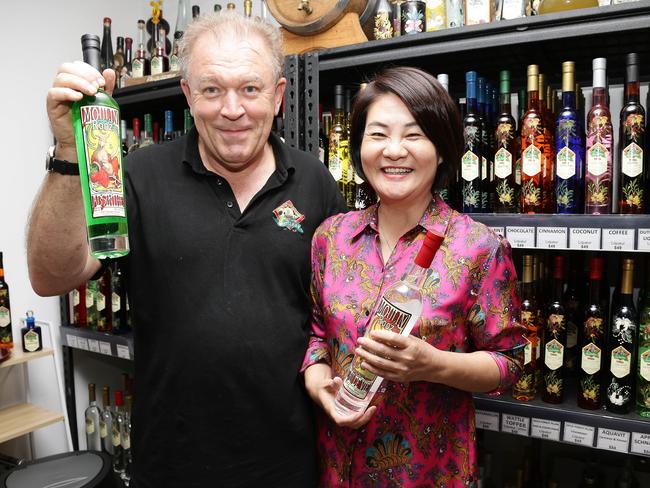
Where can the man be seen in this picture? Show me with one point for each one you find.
(220, 224)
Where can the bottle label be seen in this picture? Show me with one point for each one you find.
(75, 298)
(173, 63)
(321, 154)
(436, 17)
(90, 426)
(644, 365)
(126, 441)
(483, 168)
(115, 431)
(554, 355)
(621, 362)
(137, 68)
(597, 158)
(531, 160)
(101, 302)
(358, 381)
(5, 316)
(349, 173)
(103, 429)
(90, 298)
(115, 302)
(469, 166)
(566, 163)
(632, 160)
(102, 145)
(31, 341)
(591, 355)
(502, 163)
(383, 26)
(156, 65)
(528, 352)
(518, 171)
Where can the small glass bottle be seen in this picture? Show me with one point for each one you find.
(106, 60)
(160, 61)
(31, 334)
(413, 20)
(383, 20)
(141, 65)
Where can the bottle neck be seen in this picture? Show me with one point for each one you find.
(594, 291)
(415, 275)
(599, 96)
(569, 100)
(472, 106)
(504, 104)
(632, 92)
(528, 289)
(533, 100)
(558, 285)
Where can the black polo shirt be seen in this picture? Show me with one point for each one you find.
(221, 310)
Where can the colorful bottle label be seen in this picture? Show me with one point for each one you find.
(75, 298)
(137, 68)
(528, 352)
(383, 26)
(644, 364)
(173, 63)
(115, 435)
(632, 160)
(469, 166)
(554, 355)
(531, 160)
(621, 362)
(436, 15)
(90, 426)
(5, 316)
(597, 159)
(101, 301)
(156, 65)
(502, 163)
(90, 298)
(566, 163)
(591, 356)
(102, 144)
(115, 302)
(31, 341)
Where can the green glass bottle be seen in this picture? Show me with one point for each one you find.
(643, 368)
(96, 122)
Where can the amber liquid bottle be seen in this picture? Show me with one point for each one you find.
(533, 142)
(594, 326)
(339, 155)
(6, 336)
(525, 388)
(555, 339)
(633, 170)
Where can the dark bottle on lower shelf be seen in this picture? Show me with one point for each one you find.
(525, 388)
(574, 316)
(555, 338)
(622, 346)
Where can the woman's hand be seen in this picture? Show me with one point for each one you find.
(322, 389)
(399, 358)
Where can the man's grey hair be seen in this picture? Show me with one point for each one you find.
(229, 24)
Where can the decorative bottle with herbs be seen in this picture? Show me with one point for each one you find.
(470, 171)
(643, 369)
(525, 388)
(555, 338)
(505, 184)
(383, 20)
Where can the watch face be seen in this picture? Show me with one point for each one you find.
(48, 158)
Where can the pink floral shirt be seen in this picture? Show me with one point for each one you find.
(422, 434)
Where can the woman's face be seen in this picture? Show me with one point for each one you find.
(399, 161)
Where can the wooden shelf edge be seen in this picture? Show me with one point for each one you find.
(24, 418)
(18, 356)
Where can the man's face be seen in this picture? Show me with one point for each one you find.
(233, 94)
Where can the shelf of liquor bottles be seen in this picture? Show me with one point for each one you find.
(624, 233)
(566, 422)
(116, 345)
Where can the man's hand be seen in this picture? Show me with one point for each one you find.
(72, 82)
(323, 388)
(397, 357)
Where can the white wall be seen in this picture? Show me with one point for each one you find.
(39, 36)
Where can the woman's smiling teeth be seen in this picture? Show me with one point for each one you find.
(396, 171)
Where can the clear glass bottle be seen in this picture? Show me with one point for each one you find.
(141, 65)
(117, 428)
(92, 415)
(106, 421)
(397, 310)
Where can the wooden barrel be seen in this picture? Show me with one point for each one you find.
(308, 17)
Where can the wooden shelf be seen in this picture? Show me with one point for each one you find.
(24, 418)
(18, 357)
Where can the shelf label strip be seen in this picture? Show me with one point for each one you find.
(613, 440)
(487, 420)
(579, 434)
(551, 237)
(123, 351)
(521, 237)
(545, 429)
(515, 424)
(584, 238)
(499, 231)
(618, 239)
(640, 443)
(93, 345)
(643, 240)
(71, 340)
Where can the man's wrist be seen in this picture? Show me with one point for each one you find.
(66, 152)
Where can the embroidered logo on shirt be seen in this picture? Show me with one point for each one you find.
(288, 217)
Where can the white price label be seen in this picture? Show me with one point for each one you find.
(93, 345)
(105, 348)
(640, 443)
(82, 343)
(499, 231)
(71, 340)
(123, 352)
(584, 238)
(613, 440)
(643, 240)
(618, 239)
(521, 237)
(551, 237)
(579, 434)
(487, 420)
(515, 424)
(545, 429)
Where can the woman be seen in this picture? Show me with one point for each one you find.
(419, 429)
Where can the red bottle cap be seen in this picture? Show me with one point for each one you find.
(558, 267)
(595, 268)
(107, 20)
(118, 398)
(429, 247)
(136, 128)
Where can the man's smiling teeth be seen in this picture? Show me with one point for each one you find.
(397, 171)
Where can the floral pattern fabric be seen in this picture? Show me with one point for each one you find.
(422, 434)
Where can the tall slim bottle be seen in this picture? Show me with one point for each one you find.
(147, 136)
(573, 309)
(6, 336)
(96, 122)
(622, 346)
(135, 144)
(643, 369)
(168, 133)
(525, 388)
(548, 162)
(106, 421)
(472, 152)
(339, 156)
(598, 175)
(633, 171)
(533, 142)
(569, 148)
(103, 301)
(188, 121)
(116, 433)
(93, 414)
(91, 305)
(78, 296)
(481, 92)
(106, 60)
(555, 339)
(594, 327)
(141, 65)
(506, 141)
(397, 310)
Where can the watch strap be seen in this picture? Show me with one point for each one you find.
(63, 167)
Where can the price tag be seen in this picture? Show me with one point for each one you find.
(521, 237)
(613, 440)
(551, 237)
(643, 240)
(618, 239)
(487, 420)
(123, 352)
(584, 238)
(579, 434)
(82, 343)
(71, 340)
(499, 230)
(640, 443)
(545, 429)
(105, 348)
(515, 424)
(93, 345)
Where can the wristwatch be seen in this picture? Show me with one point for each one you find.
(59, 165)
